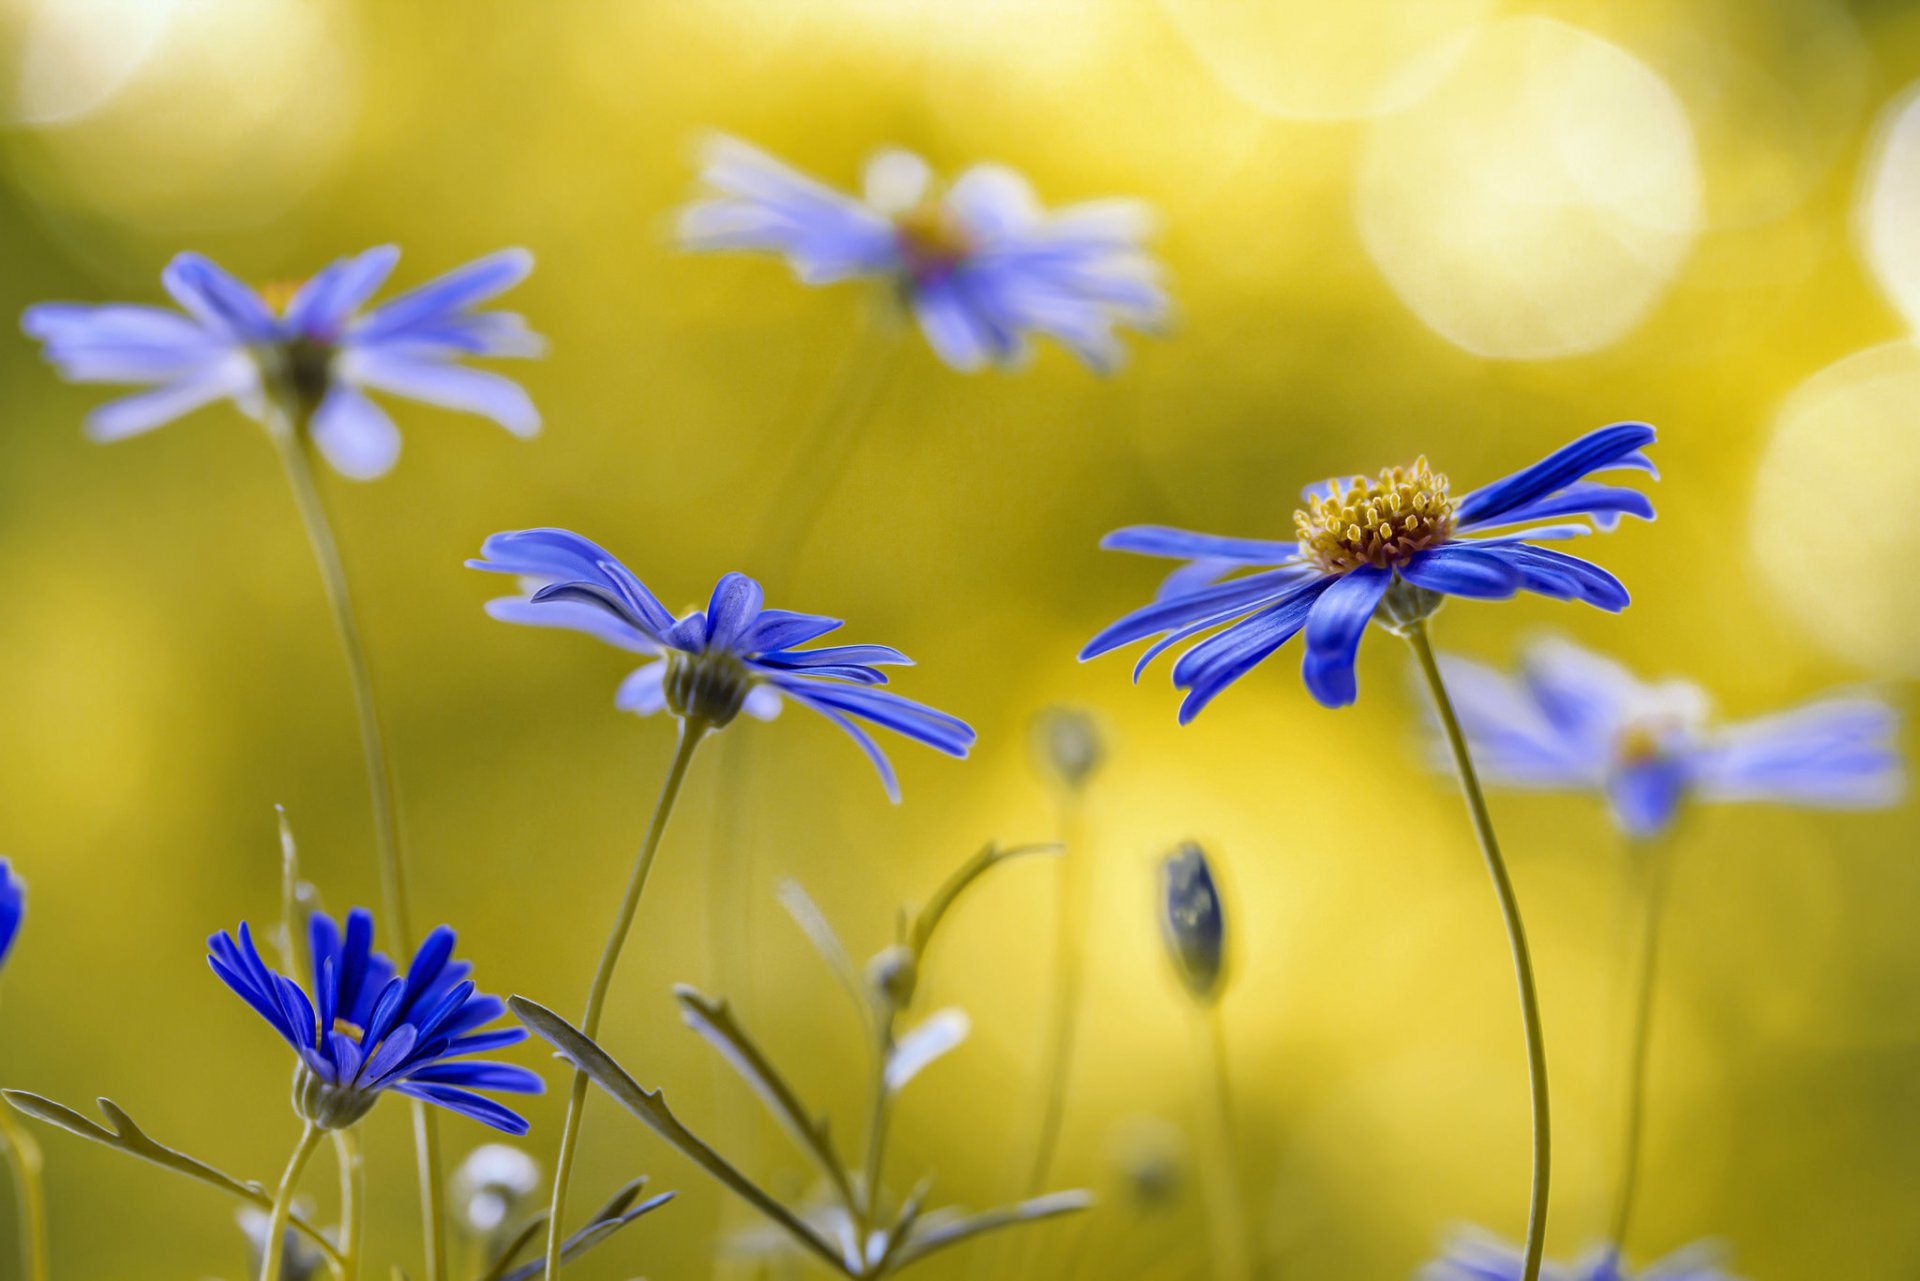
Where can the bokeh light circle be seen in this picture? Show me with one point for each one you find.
(1539, 202)
(1888, 214)
(1833, 519)
(1313, 61)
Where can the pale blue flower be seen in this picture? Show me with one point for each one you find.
(980, 263)
(1572, 720)
(1475, 1256)
(311, 350)
(13, 907)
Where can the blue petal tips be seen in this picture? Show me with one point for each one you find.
(1387, 549)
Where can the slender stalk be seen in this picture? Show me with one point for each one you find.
(290, 437)
(1655, 873)
(346, 1151)
(1416, 633)
(24, 1155)
(1232, 1252)
(691, 732)
(273, 1249)
(1064, 1012)
(878, 1119)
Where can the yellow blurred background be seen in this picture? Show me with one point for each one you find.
(1458, 227)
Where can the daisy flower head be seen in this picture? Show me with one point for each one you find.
(1572, 720)
(979, 262)
(13, 907)
(710, 665)
(311, 351)
(367, 1029)
(1476, 1256)
(1389, 548)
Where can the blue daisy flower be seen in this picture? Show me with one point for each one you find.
(980, 263)
(368, 1029)
(13, 907)
(1573, 720)
(309, 350)
(714, 663)
(1478, 1257)
(1395, 546)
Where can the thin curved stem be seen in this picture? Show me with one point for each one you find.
(878, 1120)
(24, 1155)
(1655, 874)
(290, 438)
(691, 732)
(1416, 634)
(346, 1151)
(1064, 1013)
(273, 1250)
(1232, 1248)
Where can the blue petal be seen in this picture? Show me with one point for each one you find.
(938, 730)
(644, 691)
(956, 330)
(778, 629)
(1587, 698)
(483, 1110)
(456, 291)
(217, 300)
(1645, 797)
(1592, 452)
(1605, 503)
(1515, 742)
(13, 906)
(1210, 667)
(883, 766)
(835, 655)
(131, 415)
(732, 610)
(1840, 752)
(1334, 627)
(323, 305)
(1539, 565)
(505, 1077)
(574, 616)
(1458, 569)
(1235, 596)
(1161, 540)
(438, 381)
(355, 435)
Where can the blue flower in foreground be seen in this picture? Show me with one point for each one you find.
(311, 350)
(1398, 545)
(980, 263)
(1476, 1257)
(1573, 720)
(368, 1029)
(714, 662)
(13, 907)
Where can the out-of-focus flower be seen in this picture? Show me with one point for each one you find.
(714, 662)
(13, 907)
(1477, 1257)
(300, 1259)
(980, 263)
(1398, 545)
(490, 1186)
(309, 350)
(1150, 1153)
(1571, 719)
(368, 1029)
(1193, 922)
(1068, 747)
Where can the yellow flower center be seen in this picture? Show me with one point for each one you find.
(278, 294)
(1380, 522)
(932, 240)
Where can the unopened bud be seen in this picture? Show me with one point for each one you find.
(1193, 921)
(894, 974)
(1068, 747)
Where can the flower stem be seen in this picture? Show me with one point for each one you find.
(1232, 1257)
(24, 1155)
(877, 1122)
(1416, 634)
(290, 438)
(691, 732)
(273, 1250)
(1064, 1020)
(1653, 863)
(346, 1151)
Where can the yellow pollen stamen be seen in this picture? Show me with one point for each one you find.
(352, 1030)
(277, 294)
(1379, 522)
(932, 239)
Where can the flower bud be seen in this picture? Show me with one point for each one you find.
(1067, 746)
(1192, 921)
(894, 974)
(490, 1186)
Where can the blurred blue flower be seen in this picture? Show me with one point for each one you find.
(368, 1029)
(310, 349)
(1397, 545)
(1477, 1257)
(980, 263)
(13, 906)
(1571, 719)
(713, 663)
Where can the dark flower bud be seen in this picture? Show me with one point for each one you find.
(1192, 921)
(1068, 747)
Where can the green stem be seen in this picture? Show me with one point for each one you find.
(346, 1151)
(1063, 1023)
(290, 437)
(24, 1155)
(691, 732)
(1416, 633)
(1232, 1258)
(273, 1249)
(1654, 865)
(878, 1119)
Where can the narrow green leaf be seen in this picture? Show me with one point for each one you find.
(602, 1226)
(928, 919)
(127, 1136)
(652, 1111)
(814, 924)
(1050, 1206)
(714, 1020)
